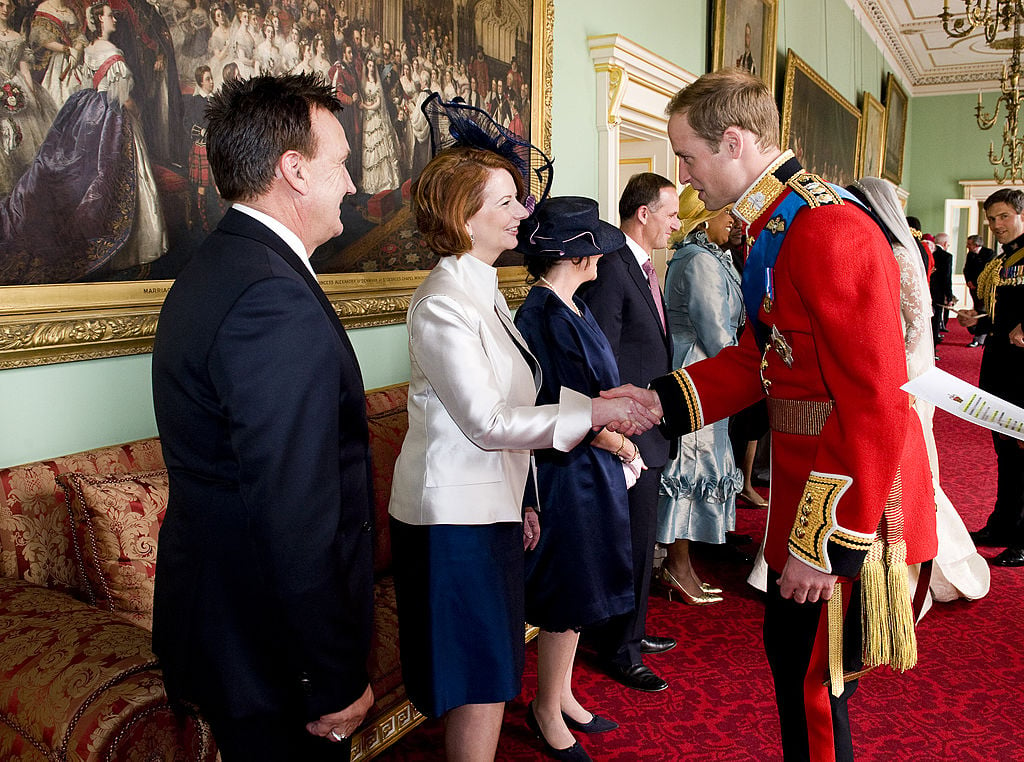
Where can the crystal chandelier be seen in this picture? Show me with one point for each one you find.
(1009, 162)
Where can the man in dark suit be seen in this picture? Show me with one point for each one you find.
(941, 285)
(263, 607)
(1001, 291)
(627, 303)
(978, 255)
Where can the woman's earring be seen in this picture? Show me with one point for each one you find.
(472, 239)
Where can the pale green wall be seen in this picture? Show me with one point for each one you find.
(56, 409)
(947, 147)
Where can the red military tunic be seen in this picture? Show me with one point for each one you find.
(835, 302)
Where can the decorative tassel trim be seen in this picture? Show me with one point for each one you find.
(901, 609)
(875, 619)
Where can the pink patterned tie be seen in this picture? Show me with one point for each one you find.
(652, 282)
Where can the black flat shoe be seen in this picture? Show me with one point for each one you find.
(652, 644)
(596, 725)
(638, 677)
(575, 753)
(1009, 557)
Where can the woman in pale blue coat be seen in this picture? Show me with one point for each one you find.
(704, 312)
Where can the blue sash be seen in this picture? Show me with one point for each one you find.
(758, 272)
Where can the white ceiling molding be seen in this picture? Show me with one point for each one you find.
(913, 42)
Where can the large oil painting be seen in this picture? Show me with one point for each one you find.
(818, 124)
(872, 137)
(105, 192)
(744, 36)
(895, 130)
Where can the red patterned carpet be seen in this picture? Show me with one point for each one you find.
(962, 702)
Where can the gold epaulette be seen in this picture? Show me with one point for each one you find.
(815, 191)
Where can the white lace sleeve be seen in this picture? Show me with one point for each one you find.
(915, 308)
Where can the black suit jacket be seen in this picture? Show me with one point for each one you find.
(264, 575)
(623, 305)
(941, 283)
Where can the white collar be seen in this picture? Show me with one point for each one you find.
(638, 251)
(283, 232)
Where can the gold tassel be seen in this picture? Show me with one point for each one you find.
(835, 641)
(875, 605)
(904, 639)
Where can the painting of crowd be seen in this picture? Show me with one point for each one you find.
(103, 173)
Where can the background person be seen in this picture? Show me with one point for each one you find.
(705, 312)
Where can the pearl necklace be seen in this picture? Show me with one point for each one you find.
(568, 304)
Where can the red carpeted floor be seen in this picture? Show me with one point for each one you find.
(962, 702)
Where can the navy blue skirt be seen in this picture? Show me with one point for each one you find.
(460, 613)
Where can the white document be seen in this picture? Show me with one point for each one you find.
(964, 400)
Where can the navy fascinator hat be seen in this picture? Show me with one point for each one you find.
(564, 227)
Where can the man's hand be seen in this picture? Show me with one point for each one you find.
(967, 318)
(805, 584)
(341, 725)
(531, 529)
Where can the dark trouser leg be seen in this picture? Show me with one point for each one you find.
(815, 724)
(618, 641)
(272, 738)
(1007, 519)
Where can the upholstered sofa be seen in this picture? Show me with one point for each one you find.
(78, 544)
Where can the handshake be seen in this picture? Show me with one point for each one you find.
(627, 409)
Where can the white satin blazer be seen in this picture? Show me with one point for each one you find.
(473, 420)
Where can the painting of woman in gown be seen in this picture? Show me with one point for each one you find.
(380, 144)
(57, 41)
(28, 109)
(87, 208)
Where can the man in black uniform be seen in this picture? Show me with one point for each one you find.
(978, 256)
(1000, 288)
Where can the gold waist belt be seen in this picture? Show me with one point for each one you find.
(804, 417)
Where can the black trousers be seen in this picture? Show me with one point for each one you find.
(815, 724)
(1007, 518)
(618, 640)
(273, 738)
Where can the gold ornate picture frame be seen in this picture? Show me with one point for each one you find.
(896, 107)
(872, 137)
(744, 35)
(53, 323)
(820, 126)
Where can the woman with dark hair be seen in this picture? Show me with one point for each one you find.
(458, 525)
(581, 572)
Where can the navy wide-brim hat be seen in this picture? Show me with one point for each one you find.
(568, 227)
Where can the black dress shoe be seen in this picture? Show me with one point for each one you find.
(986, 538)
(639, 677)
(1009, 557)
(975, 343)
(597, 724)
(652, 644)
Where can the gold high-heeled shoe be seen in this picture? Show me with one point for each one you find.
(709, 589)
(671, 584)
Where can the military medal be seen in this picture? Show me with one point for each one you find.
(769, 290)
(781, 346)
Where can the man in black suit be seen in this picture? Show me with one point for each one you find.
(627, 303)
(263, 608)
(941, 285)
(978, 255)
